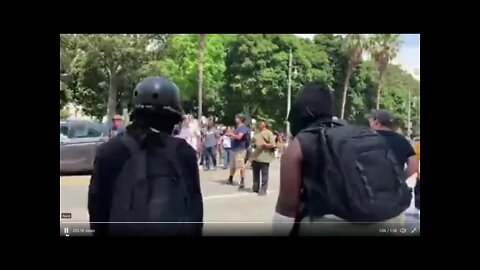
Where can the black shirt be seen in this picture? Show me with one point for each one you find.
(110, 158)
(401, 147)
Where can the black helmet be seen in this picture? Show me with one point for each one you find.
(157, 94)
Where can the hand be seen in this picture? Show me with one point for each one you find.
(263, 145)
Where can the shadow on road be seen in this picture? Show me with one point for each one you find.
(75, 173)
(235, 184)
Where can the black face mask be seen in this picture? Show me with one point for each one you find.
(297, 122)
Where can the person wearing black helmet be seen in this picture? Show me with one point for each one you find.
(146, 174)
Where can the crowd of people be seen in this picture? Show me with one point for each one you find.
(334, 177)
(213, 143)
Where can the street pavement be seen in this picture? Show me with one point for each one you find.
(227, 211)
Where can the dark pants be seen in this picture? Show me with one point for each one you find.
(202, 157)
(210, 155)
(416, 192)
(227, 155)
(258, 167)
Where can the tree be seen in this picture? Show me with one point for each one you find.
(355, 44)
(257, 73)
(361, 96)
(181, 66)
(114, 56)
(383, 48)
(68, 73)
(396, 87)
(334, 47)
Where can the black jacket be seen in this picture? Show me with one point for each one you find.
(110, 158)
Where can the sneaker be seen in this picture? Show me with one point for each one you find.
(262, 192)
(241, 186)
(230, 181)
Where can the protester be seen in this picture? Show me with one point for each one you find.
(382, 122)
(325, 170)
(210, 139)
(226, 143)
(127, 197)
(264, 142)
(240, 142)
(221, 131)
(117, 126)
(248, 161)
(189, 132)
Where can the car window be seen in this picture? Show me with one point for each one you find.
(64, 129)
(94, 130)
(77, 131)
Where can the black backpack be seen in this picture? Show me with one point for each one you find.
(359, 178)
(151, 195)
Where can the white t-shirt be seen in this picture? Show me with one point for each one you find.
(227, 141)
(190, 135)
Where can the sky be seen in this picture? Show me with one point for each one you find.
(409, 55)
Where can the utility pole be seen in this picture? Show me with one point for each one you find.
(289, 94)
(409, 129)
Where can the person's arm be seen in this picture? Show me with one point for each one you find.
(288, 202)
(412, 161)
(412, 166)
(238, 136)
(194, 176)
(100, 194)
(271, 143)
(220, 142)
(109, 160)
(241, 131)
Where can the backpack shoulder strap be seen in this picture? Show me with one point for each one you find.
(174, 160)
(139, 156)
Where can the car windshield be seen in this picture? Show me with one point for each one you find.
(63, 137)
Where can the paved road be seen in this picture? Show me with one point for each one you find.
(226, 210)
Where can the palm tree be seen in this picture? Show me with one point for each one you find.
(383, 48)
(354, 46)
(201, 51)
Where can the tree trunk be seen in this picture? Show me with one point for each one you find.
(345, 90)
(125, 114)
(201, 49)
(112, 97)
(380, 80)
(246, 111)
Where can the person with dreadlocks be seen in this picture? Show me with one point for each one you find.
(146, 182)
(334, 175)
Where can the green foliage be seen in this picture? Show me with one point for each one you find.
(242, 73)
(257, 73)
(64, 114)
(395, 93)
(383, 48)
(181, 66)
